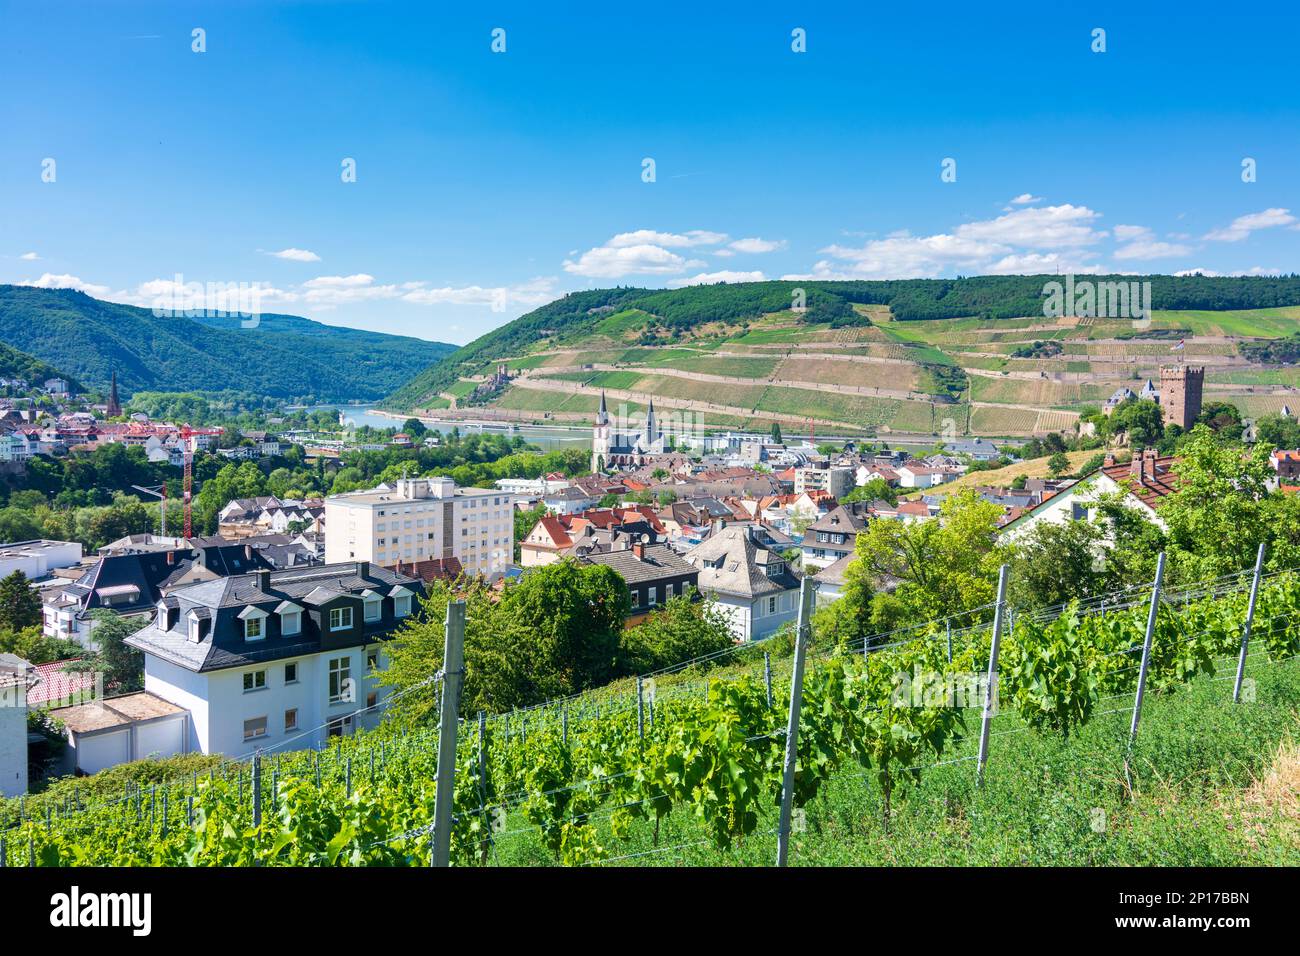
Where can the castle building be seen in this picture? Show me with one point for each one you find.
(1181, 388)
(612, 449)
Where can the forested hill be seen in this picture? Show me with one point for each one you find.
(569, 320)
(28, 368)
(286, 357)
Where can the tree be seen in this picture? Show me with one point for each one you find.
(20, 605)
(944, 565)
(776, 434)
(1140, 419)
(876, 489)
(122, 666)
(1058, 464)
(1219, 513)
(415, 428)
(684, 629)
(1054, 562)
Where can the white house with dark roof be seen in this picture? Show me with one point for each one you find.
(279, 659)
(752, 584)
(16, 677)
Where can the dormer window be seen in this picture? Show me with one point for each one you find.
(290, 618)
(401, 601)
(254, 623)
(340, 618)
(372, 606)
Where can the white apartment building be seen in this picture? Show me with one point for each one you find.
(838, 481)
(420, 519)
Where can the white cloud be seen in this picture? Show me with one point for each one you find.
(1151, 249)
(670, 240)
(710, 278)
(1132, 233)
(756, 245)
(29, 256)
(906, 257)
(604, 262)
(51, 281)
(1061, 226)
(1025, 199)
(296, 255)
(1035, 263)
(1243, 226)
(1252, 271)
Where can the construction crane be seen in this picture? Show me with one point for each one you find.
(187, 434)
(159, 492)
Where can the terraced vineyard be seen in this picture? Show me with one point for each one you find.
(1012, 377)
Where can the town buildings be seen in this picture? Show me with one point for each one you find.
(654, 573)
(36, 559)
(833, 535)
(422, 518)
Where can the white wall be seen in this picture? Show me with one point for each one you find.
(219, 705)
(13, 741)
(100, 751)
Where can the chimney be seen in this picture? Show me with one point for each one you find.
(171, 557)
(264, 580)
(363, 569)
(1109, 461)
(248, 552)
(638, 550)
(1135, 465)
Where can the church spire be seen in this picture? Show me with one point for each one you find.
(114, 407)
(602, 416)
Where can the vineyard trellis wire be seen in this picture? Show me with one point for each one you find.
(569, 762)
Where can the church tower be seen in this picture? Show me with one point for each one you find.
(600, 437)
(651, 434)
(114, 407)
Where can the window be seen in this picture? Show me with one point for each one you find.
(340, 680)
(254, 728)
(374, 609)
(654, 596)
(291, 673)
(372, 660)
(254, 680)
(402, 605)
(771, 604)
(340, 618)
(371, 700)
(195, 633)
(291, 719)
(290, 623)
(253, 629)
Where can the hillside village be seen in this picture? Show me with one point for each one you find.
(269, 631)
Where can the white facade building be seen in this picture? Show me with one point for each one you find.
(38, 558)
(15, 675)
(422, 519)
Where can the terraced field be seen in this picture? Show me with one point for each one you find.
(891, 376)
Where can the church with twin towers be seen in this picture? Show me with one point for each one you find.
(615, 449)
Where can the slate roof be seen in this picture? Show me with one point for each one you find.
(221, 601)
(730, 562)
(659, 562)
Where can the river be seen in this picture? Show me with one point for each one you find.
(547, 437)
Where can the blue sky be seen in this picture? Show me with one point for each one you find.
(488, 183)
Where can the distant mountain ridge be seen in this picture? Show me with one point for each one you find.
(286, 356)
(28, 368)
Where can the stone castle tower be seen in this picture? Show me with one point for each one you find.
(1180, 394)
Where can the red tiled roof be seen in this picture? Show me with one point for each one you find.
(1158, 479)
(56, 685)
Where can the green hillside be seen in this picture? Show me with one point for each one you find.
(916, 356)
(286, 357)
(20, 365)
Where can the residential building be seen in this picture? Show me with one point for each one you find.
(16, 676)
(1287, 464)
(833, 535)
(419, 519)
(838, 481)
(653, 572)
(752, 585)
(1147, 479)
(283, 658)
(38, 558)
